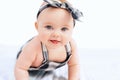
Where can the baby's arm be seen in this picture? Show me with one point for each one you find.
(23, 63)
(73, 64)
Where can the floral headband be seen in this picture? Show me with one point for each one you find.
(76, 14)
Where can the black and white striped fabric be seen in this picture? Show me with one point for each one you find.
(50, 65)
(47, 69)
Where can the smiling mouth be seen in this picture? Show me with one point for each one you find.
(55, 41)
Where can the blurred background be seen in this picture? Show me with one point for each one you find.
(97, 35)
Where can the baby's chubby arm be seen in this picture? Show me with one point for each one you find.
(26, 58)
(74, 64)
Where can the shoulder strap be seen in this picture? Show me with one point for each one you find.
(68, 48)
(44, 52)
(68, 51)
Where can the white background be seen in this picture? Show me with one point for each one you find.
(100, 27)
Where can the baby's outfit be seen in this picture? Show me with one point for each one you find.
(48, 68)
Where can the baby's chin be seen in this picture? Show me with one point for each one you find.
(54, 45)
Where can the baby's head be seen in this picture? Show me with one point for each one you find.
(61, 4)
(55, 22)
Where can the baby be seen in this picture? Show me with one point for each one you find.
(53, 46)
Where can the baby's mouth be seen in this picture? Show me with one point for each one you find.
(55, 41)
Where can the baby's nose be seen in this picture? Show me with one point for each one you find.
(56, 34)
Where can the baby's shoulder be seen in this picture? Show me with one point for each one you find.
(73, 45)
(33, 45)
(72, 42)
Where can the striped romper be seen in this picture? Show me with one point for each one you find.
(47, 67)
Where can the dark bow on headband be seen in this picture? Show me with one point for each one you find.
(76, 14)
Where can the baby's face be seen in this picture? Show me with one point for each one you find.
(55, 26)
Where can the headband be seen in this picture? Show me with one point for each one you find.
(76, 14)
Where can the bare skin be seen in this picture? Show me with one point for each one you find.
(54, 27)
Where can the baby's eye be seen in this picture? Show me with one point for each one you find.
(48, 27)
(64, 29)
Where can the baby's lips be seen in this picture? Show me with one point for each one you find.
(55, 41)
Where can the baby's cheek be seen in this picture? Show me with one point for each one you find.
(67, 38)
(43, 36)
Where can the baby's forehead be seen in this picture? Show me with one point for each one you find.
(55, 15)
(51, 11)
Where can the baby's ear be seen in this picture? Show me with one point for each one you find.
(36, 26)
